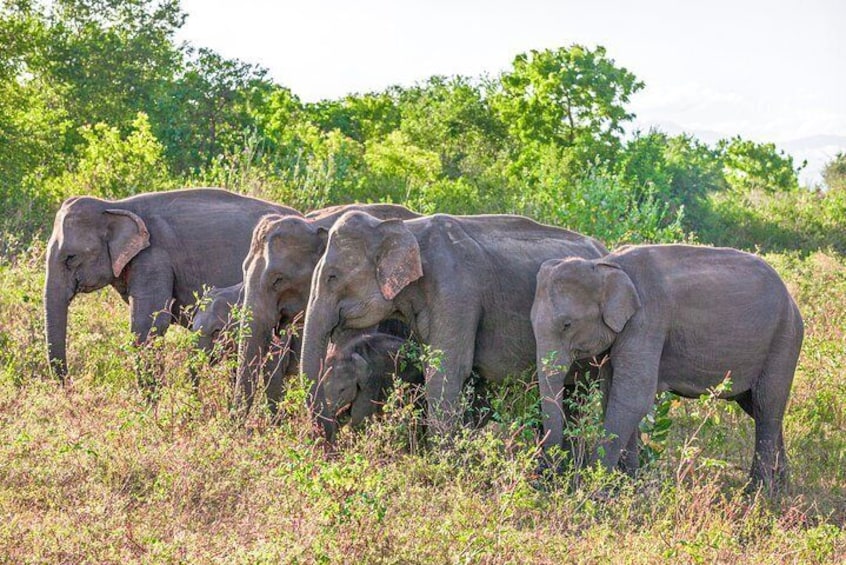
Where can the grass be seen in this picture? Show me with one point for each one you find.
(93, 473)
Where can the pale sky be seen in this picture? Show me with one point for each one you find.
(767, 70)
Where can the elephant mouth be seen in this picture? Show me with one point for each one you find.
(343, 415)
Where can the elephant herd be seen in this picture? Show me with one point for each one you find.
(489, 294)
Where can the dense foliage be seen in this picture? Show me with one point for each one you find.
(97, 97)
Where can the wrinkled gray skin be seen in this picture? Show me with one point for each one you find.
(277, 277)
(213, 318)
(463, 284)
(676, 318)
(156, 249)
(359, 374)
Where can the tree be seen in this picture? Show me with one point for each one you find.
(834, 173)
(364, 117)
(573, 96)
(110, 58)
(681, 169)
(207, 109)
(113, 165)
(452, 117)
(748, 165)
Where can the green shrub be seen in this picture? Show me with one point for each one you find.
(605, 207)
(114, 166)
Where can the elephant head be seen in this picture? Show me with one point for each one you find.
(366, 265)
(580, 306)
(277, 276)
(352, 388)
(89, 248)
(214, 316)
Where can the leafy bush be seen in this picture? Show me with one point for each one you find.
(834, 173)
(604, 205)
(114, 166)
(760, 220)
(757, 166)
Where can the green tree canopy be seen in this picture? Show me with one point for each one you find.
(572, 96)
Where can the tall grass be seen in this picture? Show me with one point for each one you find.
(94, 473)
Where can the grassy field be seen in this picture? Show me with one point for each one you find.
(93, 473)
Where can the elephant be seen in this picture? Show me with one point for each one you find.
(359, 375)
(677, 318)
(156, 249)
(212, 318)
(463, 284)
(277, 277)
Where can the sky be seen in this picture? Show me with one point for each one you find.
(766, 70)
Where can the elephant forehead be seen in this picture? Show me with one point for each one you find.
(355, 222)
(76, 232)
(293, 240)
(574, 300)
(341, 245)
(265, 227)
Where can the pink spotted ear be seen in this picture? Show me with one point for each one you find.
(398, 263)
(128, 236)
(619, 300)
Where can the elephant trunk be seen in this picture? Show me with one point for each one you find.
(205, 343)
(253, 344)
(552, 367)
(320, 321)
(57, 296)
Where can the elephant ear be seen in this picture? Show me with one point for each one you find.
(362, 369)
(128, 236)
(398, 262)
(619, 299)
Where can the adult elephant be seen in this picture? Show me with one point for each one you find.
(277, 277)
(156, 249)
(464, 285)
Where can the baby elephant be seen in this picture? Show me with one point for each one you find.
(214, 317)
(673, 317)
(359, 375)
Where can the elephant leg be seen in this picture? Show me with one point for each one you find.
(630, 458)
(769, 401)
(452, 345)
(150, 317)
(630, 397)
(443, 396)
(769, 465)
(745, 402)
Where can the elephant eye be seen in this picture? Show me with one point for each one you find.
(69, 260)
(565, 325)
(278, 281)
